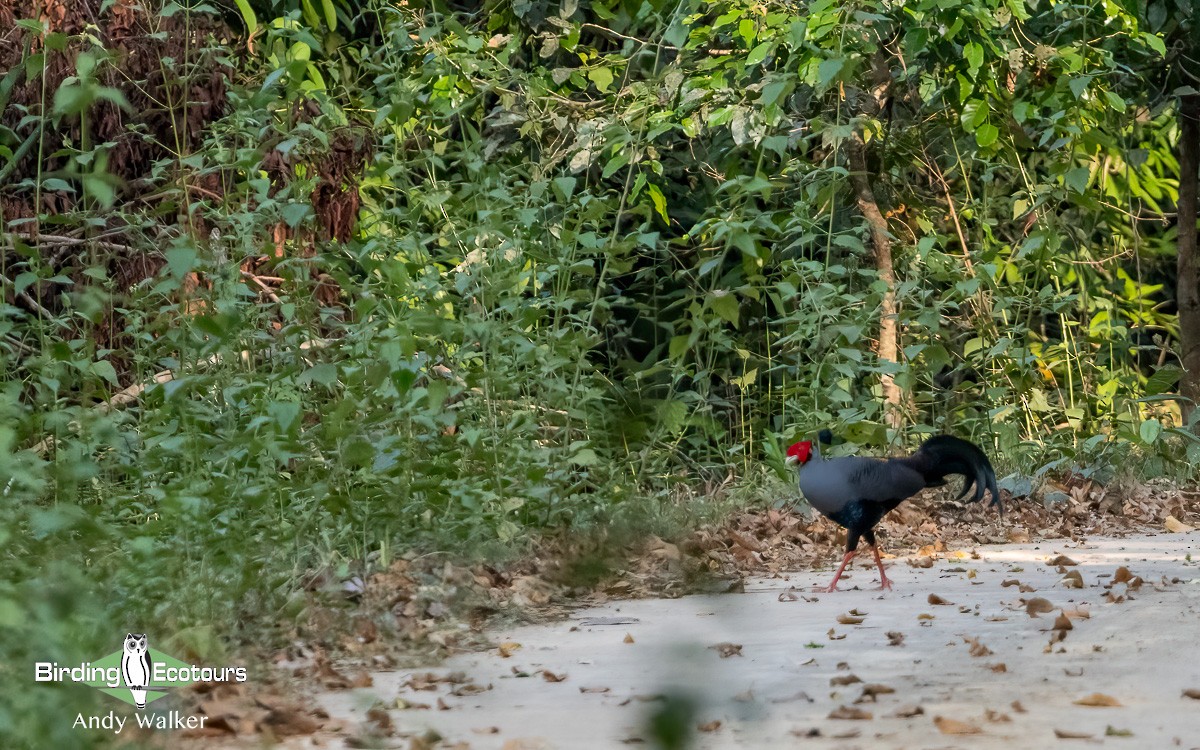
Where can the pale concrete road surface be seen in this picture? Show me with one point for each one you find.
(776, 691)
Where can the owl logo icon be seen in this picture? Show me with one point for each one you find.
(135, 667)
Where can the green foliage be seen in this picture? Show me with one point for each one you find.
(602, 254)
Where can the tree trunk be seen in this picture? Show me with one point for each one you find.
(888, 344)
(1187, 290)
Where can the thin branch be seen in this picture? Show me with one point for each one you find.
(30, 302)
(262, 285)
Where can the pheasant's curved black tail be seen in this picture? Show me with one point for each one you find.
(945, 454)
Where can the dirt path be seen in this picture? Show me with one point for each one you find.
(963, 668)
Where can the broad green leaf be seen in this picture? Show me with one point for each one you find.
(1078, 85)
(725, 305)
(247, 16)
(1163, 379)
(1155, 43)
(1077, 179)
(309, 13)
(294, 213)
(105, 369)
(973, 52)
(325, 373)
(974, 114)
(283, 413)
(1149, 431)
(660, 201)
(585, 457)
(773, 91)
(759, 53)
(986, 134)
(180, 260)
(679, 346)
(564, 187)
(602, 77)
(23, 281)
(829, 69)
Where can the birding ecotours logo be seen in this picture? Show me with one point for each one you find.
(136, 673)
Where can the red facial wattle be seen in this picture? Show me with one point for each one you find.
(801, 451)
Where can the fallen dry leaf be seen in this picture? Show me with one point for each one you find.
(998, 667)
(788, 596)
(1098, 700)
(642, 698)
(486, 730)
(593, 690)
(850, 713)
(895, 638)
(833, 636)
(1122, 575)
(1174, 526)
(526, 743)
(996, 716)
(1010, 582)
(850, 620)
(907, 712)
(1062, 622)
(1037, 605)
(727, 650)
(331, 678)
(628, 638)
(935, 599)
(1073, 580)
(953, 726)
(709, 726)
(800, 696)
(507, 648)
(1062, 560)
(1063, 734)
(871, 690)
(1111, 731)
(549, 676)
(921, 562)
(1192, 693)
(846, 679)
(977, 648)
(1016, 706)
(925, 616)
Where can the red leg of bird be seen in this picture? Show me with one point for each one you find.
(845, 561)
(884, 581)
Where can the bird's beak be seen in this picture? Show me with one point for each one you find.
(790, 461)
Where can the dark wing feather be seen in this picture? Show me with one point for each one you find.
(887, 481)
(830, 484)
